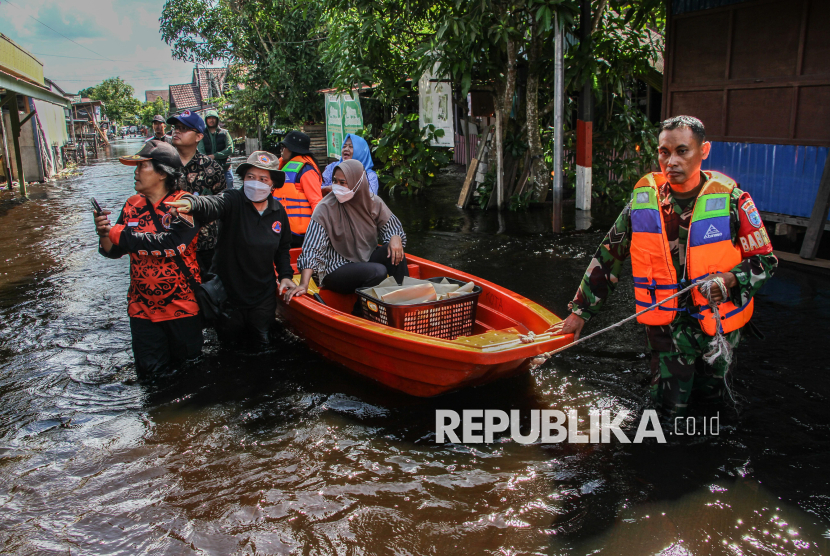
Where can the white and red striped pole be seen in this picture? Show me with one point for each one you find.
(584, 125)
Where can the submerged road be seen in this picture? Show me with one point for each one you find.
(287, 453)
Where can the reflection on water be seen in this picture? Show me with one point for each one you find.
(287, 453)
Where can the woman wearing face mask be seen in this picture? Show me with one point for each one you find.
(252, 253)
(342, 240)
(357, 148)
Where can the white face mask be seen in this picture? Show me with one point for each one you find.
(344, 194)
(256, 191)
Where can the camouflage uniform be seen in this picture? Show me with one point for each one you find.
(203, 176)
(677, 365)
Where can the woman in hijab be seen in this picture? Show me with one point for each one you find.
(354, 147)
(341, 243)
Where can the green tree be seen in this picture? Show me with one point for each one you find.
(150, 109)
(506, 47)
(117, 95)
(272, 46)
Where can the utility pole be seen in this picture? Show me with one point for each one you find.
(584, 121)
(558, 118)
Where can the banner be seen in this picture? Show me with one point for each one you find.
(343, 116)
(435, 108)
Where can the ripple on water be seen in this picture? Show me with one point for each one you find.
(283, 452)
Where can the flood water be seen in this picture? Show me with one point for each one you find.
(287, 453)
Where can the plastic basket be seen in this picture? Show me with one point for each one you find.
(447, 319)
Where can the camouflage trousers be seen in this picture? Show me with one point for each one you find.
(678, 372)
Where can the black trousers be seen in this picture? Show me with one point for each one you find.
(159, 345)
(297, 240)
(205, 259)
(248, 326)
(351, 276)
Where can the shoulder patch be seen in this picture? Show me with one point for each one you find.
(748, 206)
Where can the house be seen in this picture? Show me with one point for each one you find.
(28, 145)
(205, 84)
(91, 124)
(757, 73)
(151, 96)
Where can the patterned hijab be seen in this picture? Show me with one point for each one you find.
(353, 226)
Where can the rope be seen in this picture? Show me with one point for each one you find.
(718, 347)
(541, 358)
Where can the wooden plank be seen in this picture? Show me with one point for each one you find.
(520, 185)
(793, 258)
(467, 188)
(469, 180)
(7, 159)
(787, 219)
(15, 118)
(499, 188)
(818, 218)
(27, 118)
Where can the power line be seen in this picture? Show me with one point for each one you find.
(58, 80)
(75, 57)
(58, 32)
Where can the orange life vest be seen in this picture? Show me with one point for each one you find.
(293, 199)
(709, 250)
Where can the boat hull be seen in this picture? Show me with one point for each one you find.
(420, 365)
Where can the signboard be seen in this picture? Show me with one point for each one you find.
(435, 107)
(343, 116)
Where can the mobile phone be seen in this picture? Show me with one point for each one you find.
(96, 207)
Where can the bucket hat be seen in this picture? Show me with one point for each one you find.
(297, 142)
(266, 161)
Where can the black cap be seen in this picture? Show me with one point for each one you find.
(158, 118)
(297, 142)
(162, 152)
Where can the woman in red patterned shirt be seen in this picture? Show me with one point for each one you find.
(164, 317)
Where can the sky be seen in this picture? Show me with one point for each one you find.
(115, 38)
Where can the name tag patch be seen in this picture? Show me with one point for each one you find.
(718, 203)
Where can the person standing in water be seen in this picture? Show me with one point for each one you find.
(217, 145)
(165, 324)
(301, 191)
(201, 176)
(158, 130)
(252, 256)
(682, 225)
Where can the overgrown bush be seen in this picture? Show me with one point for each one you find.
(624, 149)
(623, 152)
(410, 162)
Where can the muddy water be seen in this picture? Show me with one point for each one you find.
(286, 453)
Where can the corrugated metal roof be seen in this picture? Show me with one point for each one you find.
(683, 6)
(780, 178)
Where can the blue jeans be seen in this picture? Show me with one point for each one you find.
(229, 178)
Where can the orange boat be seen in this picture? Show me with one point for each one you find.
(423, 365)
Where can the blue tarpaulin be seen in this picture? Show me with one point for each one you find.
(780, 178)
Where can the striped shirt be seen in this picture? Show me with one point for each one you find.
(319, 254)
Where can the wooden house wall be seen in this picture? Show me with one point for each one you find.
(753, 72)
